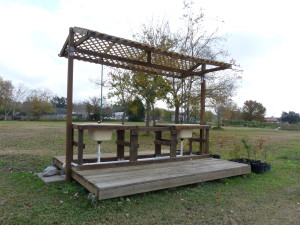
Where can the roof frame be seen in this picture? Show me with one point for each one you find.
(100, 48)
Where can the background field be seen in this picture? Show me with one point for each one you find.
(28, 147)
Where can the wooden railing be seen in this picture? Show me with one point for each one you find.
(134, 158)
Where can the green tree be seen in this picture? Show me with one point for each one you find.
(59, 102)
(93, 108)
(136, 110)
(151, 88)
(38, 103)
(120, 83)
(291, 117)
(253, 111)
(6, 96)
(167, 115)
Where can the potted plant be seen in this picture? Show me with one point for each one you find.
(252, 155)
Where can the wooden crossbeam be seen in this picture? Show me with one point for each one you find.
(108, 48)
(128, 67)
(146, 48)
(131, 61)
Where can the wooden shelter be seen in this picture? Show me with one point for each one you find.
(91, 46)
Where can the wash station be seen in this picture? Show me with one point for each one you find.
(122, 173)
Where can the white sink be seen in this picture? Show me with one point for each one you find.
(100, 135)
(185, 133)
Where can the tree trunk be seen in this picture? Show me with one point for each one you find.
(123, 117)
(147, 113)
(188, 118)
(177, 115)
(153, 114)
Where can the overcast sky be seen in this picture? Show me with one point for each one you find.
(263, 37)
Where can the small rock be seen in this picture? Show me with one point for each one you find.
(127, 199)
(50, 171)
(76, 194)
(127, 215)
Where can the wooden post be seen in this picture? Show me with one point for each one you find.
(207, 141)
(69, 137)
(80, 147)
(202, 101)
(201, 144)
(173, 147)
(158, 135)
(134, 134)
(120, 148)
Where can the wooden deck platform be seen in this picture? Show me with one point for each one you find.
(121, 181)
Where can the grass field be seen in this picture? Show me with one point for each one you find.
(28, 147)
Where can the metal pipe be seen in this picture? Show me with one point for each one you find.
(99, 151)
(181, 146)
(111, 162)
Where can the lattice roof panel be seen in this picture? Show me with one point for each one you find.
(95, 47)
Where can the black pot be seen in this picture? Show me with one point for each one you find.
(259, 167)
(241, 160)
(215, 156)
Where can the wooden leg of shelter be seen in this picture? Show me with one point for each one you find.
(201, 144)
(69, 136)
(158, 136)
(80, 147)
(207, 141)
(120, 148)
(173, 146)
(134, 134)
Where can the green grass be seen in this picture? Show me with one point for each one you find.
(28, 147)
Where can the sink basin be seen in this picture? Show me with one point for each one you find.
(100, 135)
(185, 133)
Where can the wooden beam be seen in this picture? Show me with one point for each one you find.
(109, 48)
(206, 141)
(120, 148)
(81, 40)
(145, 47)
(128, 67)
(134, 62)
(194, 67)
(203, 72)
(123, 143)
(149, 57)
(69, 137)
(80, 147)
(64, 48)
(158, 136)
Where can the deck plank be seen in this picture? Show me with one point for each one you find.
(115, 182)
(121, 181)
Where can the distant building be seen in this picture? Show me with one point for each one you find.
(271, 120)
(118, 116)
